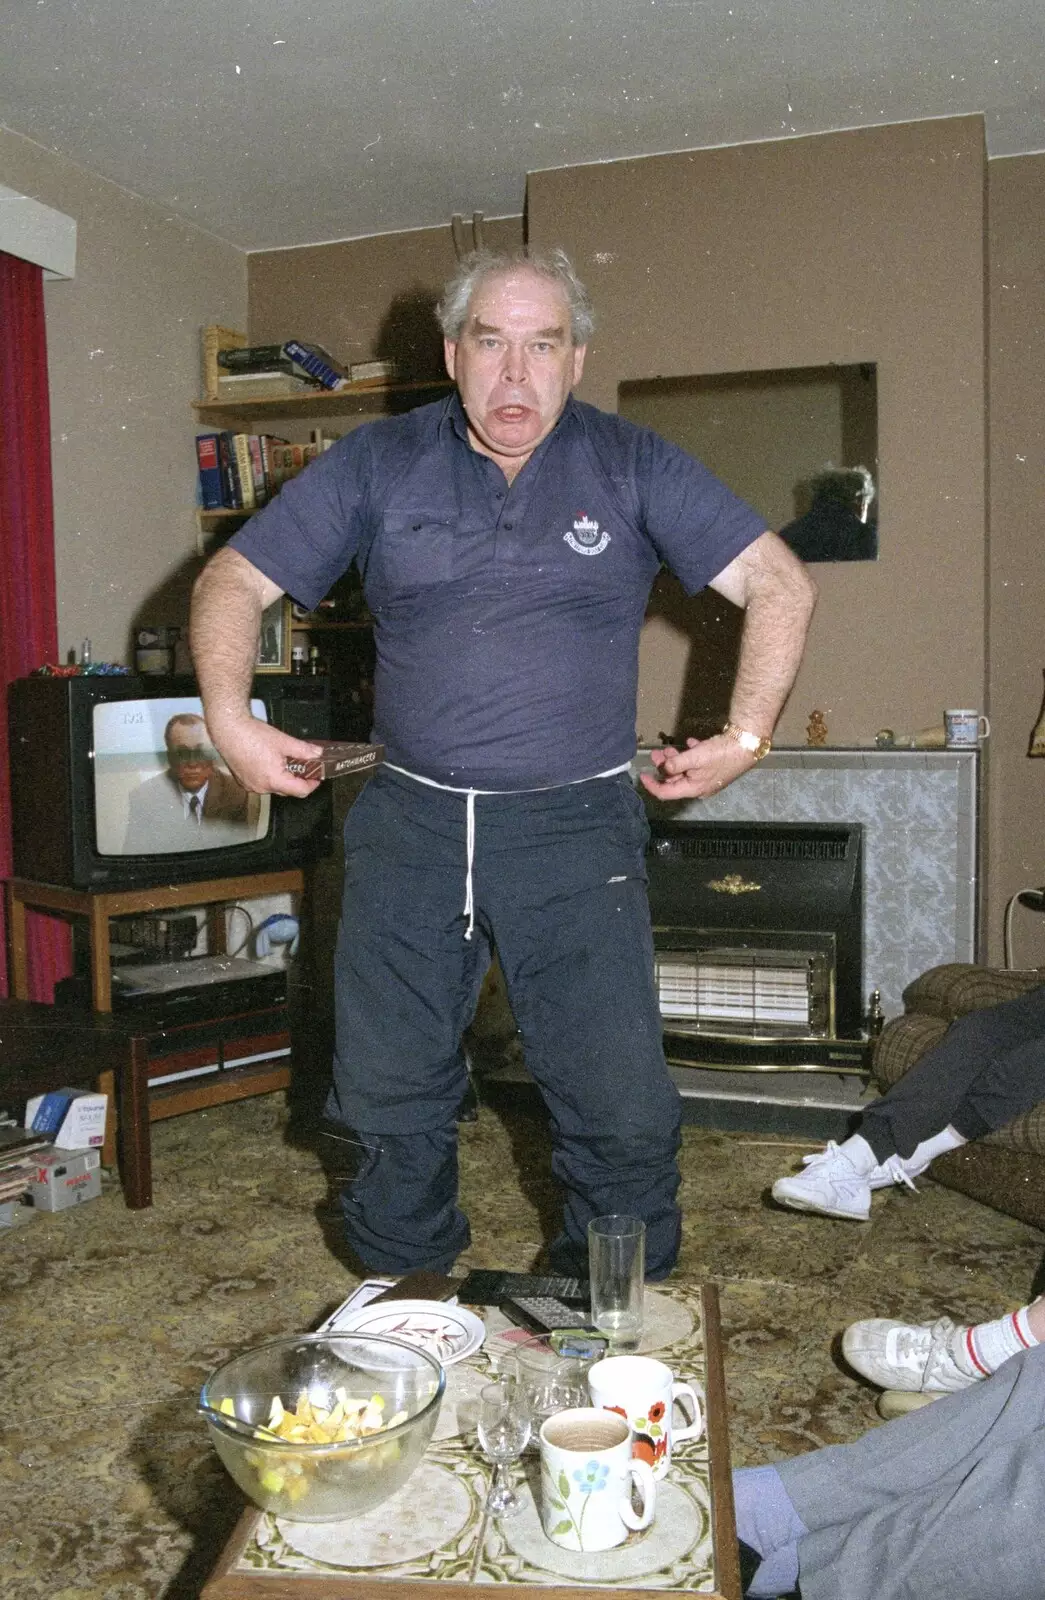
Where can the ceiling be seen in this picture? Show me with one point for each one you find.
(273, 123)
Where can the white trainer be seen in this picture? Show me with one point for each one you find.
(832, 1185)
(899, 1356)
(898, 1402)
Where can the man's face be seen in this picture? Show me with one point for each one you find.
(514, 364)
(190, 756)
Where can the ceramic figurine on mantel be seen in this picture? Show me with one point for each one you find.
(816, 729)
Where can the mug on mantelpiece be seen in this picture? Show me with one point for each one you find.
(963, 730)
(588, 1480)
(644, 1392)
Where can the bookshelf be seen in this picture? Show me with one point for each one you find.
(339, 628)
(357, 399)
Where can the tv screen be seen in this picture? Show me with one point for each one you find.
(161, 788)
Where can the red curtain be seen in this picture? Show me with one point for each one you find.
(28, 611)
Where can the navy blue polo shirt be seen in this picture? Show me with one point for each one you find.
(506, 616)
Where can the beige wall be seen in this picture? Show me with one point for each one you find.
(863, 246)
(364, 298)
(1017, 542)
(123, 343)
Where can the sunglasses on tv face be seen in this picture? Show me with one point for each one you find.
(183, 755)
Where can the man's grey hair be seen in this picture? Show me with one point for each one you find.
(474, 269)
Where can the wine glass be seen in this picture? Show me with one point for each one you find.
(504, 1430)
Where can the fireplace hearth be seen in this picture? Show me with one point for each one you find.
(757, 932)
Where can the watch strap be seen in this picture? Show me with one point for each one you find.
(754, 743)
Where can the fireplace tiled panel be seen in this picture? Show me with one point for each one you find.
(919, 811)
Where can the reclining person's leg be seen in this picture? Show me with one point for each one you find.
(945, 1504)
(988, 1068)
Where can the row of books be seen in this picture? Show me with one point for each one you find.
(242, 471)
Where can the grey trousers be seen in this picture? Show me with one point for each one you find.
(947, 1503)
(987, 1069)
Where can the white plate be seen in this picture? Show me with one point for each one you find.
(447, 1332)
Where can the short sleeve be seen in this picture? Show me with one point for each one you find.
(697, 524)
(305, 538)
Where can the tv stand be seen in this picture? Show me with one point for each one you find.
(98, 907)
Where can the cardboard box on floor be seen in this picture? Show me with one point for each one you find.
(82, 1126)
(64, 1178)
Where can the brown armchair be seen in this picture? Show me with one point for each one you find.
(1006, 1169)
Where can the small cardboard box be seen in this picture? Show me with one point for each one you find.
(64, 1178)
(82, 1126)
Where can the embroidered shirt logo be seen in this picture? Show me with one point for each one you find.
(585, 538)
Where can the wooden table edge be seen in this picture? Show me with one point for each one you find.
(716, 1410)
(223, 1584)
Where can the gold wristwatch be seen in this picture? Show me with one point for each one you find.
(751, 742)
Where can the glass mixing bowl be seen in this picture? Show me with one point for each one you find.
(377, 1381)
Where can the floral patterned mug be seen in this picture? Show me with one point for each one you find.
(644, 1393)
(588, 1479)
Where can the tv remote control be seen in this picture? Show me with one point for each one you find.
(543, 1313)
(485, 1287)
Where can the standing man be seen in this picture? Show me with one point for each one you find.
(507, 539)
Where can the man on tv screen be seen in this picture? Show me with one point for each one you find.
(195, 804)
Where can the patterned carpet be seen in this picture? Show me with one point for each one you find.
(111, 1319)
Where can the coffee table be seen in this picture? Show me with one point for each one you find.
(433, 1541)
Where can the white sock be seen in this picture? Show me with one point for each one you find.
(859, 1154)
(988, 1344)
(929, 1149)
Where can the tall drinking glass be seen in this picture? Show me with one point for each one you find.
(617, 1270)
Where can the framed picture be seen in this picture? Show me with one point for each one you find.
(274, 641)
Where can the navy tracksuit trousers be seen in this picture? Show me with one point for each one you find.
(560, 892)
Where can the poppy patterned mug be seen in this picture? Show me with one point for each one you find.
(645, 1394)
(590, 1481)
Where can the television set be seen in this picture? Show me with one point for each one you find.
(115, 784)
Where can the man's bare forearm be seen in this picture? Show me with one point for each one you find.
(227, 601)
(777, 615)
(778, 597)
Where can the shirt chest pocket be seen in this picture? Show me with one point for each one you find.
(414, 548)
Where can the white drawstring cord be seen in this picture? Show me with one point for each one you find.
(469, 889)
(470, 794)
